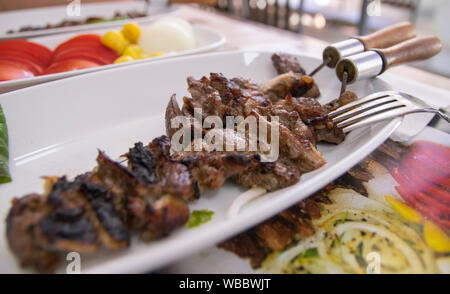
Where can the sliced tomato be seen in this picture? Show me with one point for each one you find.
(13, 71)
(37, 51)
(18, 58)
(68, 65)
(85, 40)
(99, 54)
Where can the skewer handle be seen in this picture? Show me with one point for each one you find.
(380, 39)
(389, 36)
(412, 50)
(374, 62)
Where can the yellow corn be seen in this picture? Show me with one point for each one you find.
(131, 31)
(404, 210)
(157, 53)
(134, 51)
(436, 238)
(115, 40)
(123, 58)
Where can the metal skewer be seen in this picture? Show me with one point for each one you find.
(384, 38)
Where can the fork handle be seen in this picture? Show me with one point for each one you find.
(412, 50)
(389, 36)
(444, 114)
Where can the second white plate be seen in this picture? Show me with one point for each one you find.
(208, 40)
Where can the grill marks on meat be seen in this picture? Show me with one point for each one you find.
(278, 232)
(154, 167)
(24, 235)
(74, 216)
(151, 192)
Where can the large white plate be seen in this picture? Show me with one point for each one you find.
(16, 19)
(56, 128)
(208, 40)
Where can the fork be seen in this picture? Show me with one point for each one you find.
(379, 107)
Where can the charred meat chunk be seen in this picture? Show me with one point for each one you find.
(74, 216)
(284, 63)
(144, 206)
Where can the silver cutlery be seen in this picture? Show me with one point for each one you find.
(379, 107)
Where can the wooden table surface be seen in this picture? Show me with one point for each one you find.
(244, 34)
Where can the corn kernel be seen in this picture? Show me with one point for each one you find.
(158, 53)
(404, 210)
(123, 58)
(131, 31)
(115, 41)
(134, 51)
(436, 238)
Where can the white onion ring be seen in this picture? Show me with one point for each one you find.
(242, 200)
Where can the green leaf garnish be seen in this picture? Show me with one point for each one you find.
(308, 253)
(199, 217)
(5, 176)
(359, 256)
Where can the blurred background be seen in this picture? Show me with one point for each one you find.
(328, 20)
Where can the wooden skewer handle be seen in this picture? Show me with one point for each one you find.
(412, 50)
(389, 36)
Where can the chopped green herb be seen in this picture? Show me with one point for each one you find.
(359, 256)
(409, 242)
(308, 253)
(199, 217)
(4, 153)
(342, 220)
(106, 20)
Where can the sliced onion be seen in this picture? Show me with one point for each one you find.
(409, 253)
(242, 200)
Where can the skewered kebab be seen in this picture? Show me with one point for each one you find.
(98, 209)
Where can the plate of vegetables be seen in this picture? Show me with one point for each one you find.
(29, 62)
(75, 17)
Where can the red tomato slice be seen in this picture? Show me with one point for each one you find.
(68, 65)
(99, 54)
(32, 66)
(13, 71)
(22, 55)
(86, 39)
(37, 51)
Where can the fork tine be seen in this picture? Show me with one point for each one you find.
(361, 101)
(365, 107)
(369, 113)
(396, 112)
